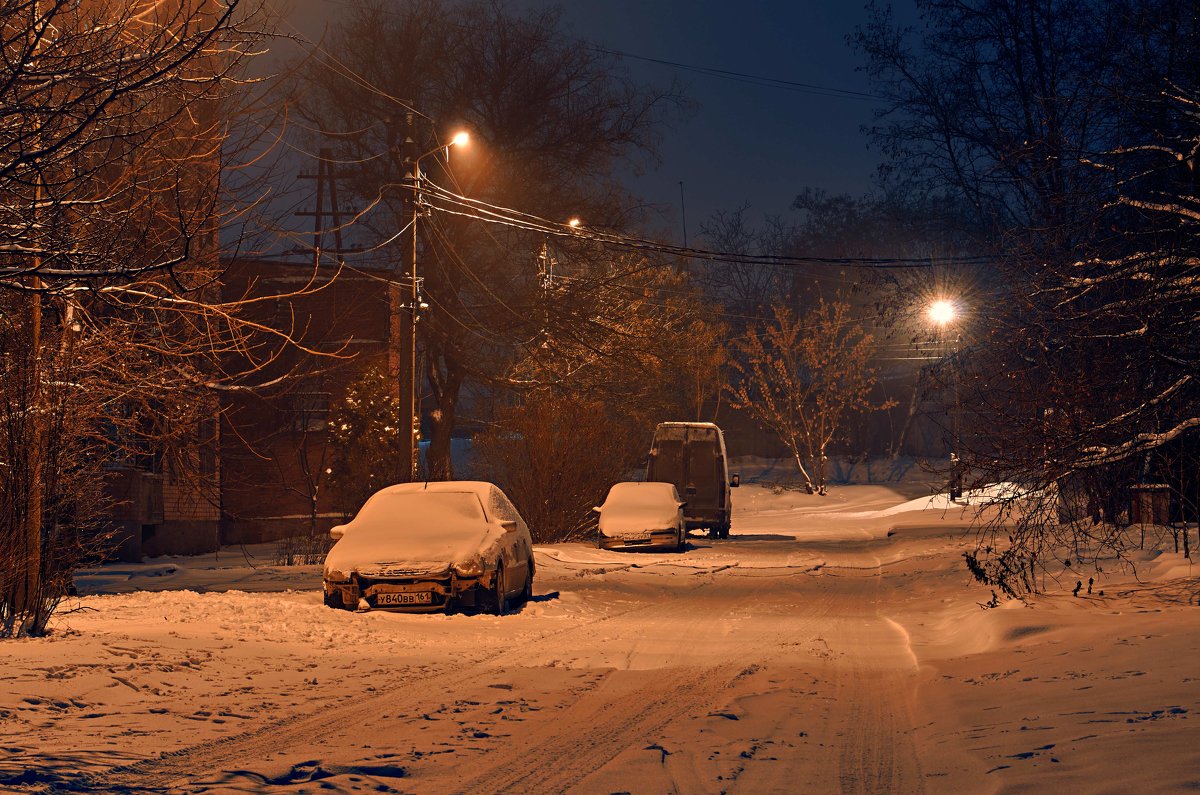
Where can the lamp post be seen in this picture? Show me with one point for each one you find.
(410, 447)
(943, 313)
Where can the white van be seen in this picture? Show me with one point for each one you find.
(692, 456)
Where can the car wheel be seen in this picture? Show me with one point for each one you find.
(499, 600)
(527, 591)
(334, 600)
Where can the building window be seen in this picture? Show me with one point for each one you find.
(309, 411)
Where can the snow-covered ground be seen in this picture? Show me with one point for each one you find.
(831, 644)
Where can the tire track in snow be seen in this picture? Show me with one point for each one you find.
(627, 711)
(178, 768)
(873, 690)
(606, 720)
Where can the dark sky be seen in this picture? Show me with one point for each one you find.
(746, 143)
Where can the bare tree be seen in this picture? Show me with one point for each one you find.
(803, 377)
(620, 349)
(744, 288)
(1068, 127)
(556, 454)
(549, 119)
(115, 339)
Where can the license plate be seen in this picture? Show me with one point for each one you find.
(387, 598)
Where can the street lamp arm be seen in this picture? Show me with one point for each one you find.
(459, 139)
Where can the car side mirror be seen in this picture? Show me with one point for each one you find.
(337, 531)
(596, 508)
(508, 524)
(735, 480)
(681, 504)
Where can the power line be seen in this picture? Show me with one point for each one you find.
(744, 77)
(496, 214)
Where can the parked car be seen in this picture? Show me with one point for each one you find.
(422, 547)
(642, 516)
(691, 455)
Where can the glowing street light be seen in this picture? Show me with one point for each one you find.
(942, 312)
(574, 223)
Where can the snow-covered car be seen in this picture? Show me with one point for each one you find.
(642, 516)
(422, 547)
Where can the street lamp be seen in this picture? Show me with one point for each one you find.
(408, 370)
(943, 312)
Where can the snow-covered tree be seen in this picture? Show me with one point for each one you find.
(113, 341)
(802, 377)
(1070, 130)
(549, 119)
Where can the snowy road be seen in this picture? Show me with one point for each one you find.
(811, 652)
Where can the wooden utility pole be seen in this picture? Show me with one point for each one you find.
(326, 181)
(407, 347)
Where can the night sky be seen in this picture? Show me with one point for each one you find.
(746, 143)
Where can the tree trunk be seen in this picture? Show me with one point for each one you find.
(31, 595)
(821, 472)
(908, 418)
(808, 484)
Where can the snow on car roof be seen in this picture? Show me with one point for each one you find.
(688, 425)
(401, 526)
(643, 490)
(481, 488)
(495, 503)
(639, 506)
(458, 509)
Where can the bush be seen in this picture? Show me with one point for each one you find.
(556, 456)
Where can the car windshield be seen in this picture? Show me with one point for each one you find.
(636, 495)
(444, 512)
(417, 527)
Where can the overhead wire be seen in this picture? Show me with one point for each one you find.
(763, 81)
(744, 77)
(345, 70)
(497, 214)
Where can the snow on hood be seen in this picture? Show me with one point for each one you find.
(637, 507)
(416, 533)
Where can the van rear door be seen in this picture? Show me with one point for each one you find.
(704, 488)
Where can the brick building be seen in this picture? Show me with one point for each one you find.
(275, 448)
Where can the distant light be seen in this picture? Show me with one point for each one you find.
(461, 138)
(942, 312)
(574, 223)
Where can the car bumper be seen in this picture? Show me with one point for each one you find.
(409, 595)
(667, 539)
(707, 518)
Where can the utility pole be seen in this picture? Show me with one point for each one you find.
(409, 443)
(326, 181)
